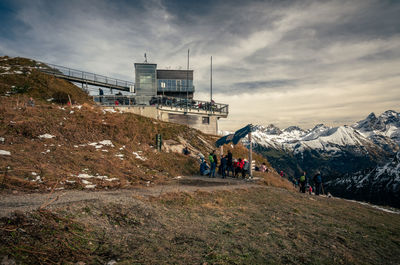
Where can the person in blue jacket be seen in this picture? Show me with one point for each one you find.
(318, 183)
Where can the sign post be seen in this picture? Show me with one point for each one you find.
(158, 142)
(250, 156)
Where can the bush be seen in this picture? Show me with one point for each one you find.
(60, 97)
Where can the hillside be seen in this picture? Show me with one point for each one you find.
(253, 225)
(381, 185)
(54, 145)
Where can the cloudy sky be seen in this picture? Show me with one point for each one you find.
(281, 62)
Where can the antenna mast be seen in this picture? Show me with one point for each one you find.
(187, 82)
(211, 82)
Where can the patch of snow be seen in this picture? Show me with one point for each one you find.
(106, 142)
(138, 156)
(2, 139)
(34, 174)
(90, 186)
(376, 207)
(111, 179)
(50, 99)
(104, 151)
(77, 107)
(46, 136)
(86, 182)
(109, 110)
(85, 176)
(76, 146)
(37, 179)
(71, 112)
(70, 181)
(4, 152)
(119, 155)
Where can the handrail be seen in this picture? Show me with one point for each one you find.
(83, 75)
(164, 102)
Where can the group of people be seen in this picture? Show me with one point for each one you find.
(305, 186)
(227, 166)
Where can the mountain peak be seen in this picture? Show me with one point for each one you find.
(293, 128)
(272, 129)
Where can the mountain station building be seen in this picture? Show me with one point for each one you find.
(166, 95)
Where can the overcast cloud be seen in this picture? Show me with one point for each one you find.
(282, 62)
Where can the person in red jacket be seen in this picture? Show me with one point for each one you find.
(235, 168)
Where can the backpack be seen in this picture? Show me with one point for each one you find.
(210, 157)
(302, 178)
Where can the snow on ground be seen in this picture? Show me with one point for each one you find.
(138, 156)
(4, 152)
(2, 140)
(46, 136)
(106, 142)
(109, 110)
(87, 176)
(376, 207)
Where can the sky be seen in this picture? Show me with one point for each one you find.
(274, 62)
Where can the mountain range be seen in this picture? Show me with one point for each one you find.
(338, 152)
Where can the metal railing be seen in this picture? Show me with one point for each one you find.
(180, 104)
(86, 77)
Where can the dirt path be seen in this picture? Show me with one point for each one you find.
(31, 201)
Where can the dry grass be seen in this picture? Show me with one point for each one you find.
(257, 226)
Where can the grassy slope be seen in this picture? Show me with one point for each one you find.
(57, 160)
(261, 226)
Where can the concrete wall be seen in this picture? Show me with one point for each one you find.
(194, 120)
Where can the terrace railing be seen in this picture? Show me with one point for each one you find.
(180, 104)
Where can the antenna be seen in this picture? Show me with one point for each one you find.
(211, 81)
(187, 82)
(145, 58)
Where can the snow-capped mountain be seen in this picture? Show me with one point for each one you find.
(335, 151)
(380, 185)
(338, 150)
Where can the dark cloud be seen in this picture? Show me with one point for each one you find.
(264, 86)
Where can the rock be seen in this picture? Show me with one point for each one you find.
(7, 261)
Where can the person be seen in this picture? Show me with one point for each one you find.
(186, 151)
(212, 164)
(246, 166)
(116, 102)
(318, 182)
(263, 167)
(309, 189)
(229, 163)
(241, 165)
(215, 159)
(31, 102)
(204, 169)
(302, 182)
(223, 166)
(281, 173)
(235, 168)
